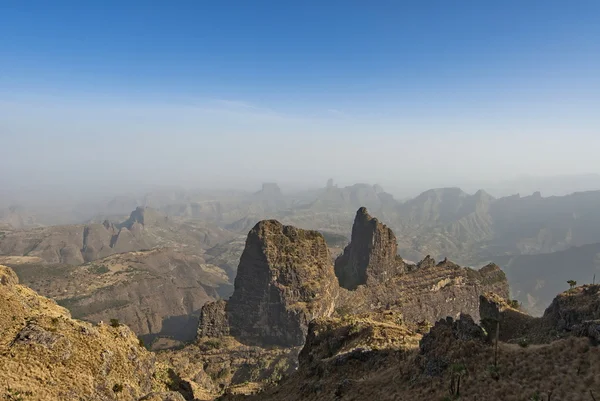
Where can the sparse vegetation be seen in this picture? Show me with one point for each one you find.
(494, 372)
(99, 269)
(343, 310)
(16, 395)
(514, 303)
(213, 343)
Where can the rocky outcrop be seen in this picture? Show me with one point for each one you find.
(213, 320)
(211, 365)
(46, 355)
(285, 279)
(337, 337)
(573, 307)
(495, 312)
(430, 293)
(575, 312)
(370, 257)
(446, 337)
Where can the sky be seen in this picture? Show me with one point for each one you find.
(109, 95)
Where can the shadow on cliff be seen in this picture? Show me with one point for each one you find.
(180, 328)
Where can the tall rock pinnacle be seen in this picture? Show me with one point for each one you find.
(371, 255)
(285, 279)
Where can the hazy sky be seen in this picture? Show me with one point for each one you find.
(105, 94)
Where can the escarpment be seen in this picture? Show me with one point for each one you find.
(285, 279)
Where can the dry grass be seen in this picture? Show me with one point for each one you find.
(62, 358)
(568, 369)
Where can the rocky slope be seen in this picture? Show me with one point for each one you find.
(214, 366)
(429, 291)
(284, 271)
(453, 360)
(379, 278)
(285, 279)
(46, 355)
(156, 293)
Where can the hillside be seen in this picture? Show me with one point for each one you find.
(358, 358)
(156, 293)
(77, 244)
(46, 355)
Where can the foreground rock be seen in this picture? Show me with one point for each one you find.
(213, 366)
(285, 279)
(575, 312)
(340, 361)
(46, 355)
(370, 258)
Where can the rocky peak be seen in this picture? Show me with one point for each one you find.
(144, 216)
(269, 190)
(284, 280)
(427, 263)
(371, 255)
(573, 307)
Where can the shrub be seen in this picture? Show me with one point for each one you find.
(514, 304)
(342, 311)
(117, 388)
(523, 343)
(536, 396)
(572, 283)
(494, 372)
(101, 269)
(212, 344)
(115, 322)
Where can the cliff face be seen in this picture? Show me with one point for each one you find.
(430, 291)
(285, 279)
(46, 355)
(370, 257)
(574, 306)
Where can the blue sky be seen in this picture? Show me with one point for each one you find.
(198, 83)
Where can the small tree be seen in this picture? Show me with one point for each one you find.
(457, 371)
(514, 303)
(572, 283)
